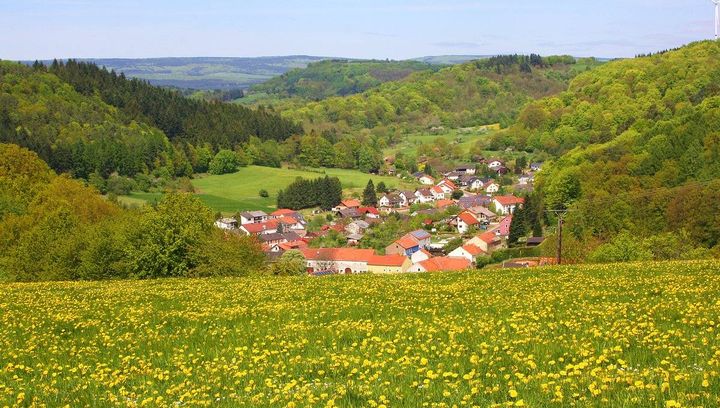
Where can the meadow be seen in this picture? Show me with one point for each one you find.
(631, 335)
(240, 191)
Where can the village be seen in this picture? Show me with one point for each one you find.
(461, 216)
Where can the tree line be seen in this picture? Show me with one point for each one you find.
(324, 192)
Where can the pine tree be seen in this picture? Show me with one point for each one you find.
(518, 228)
(381, 187)
(369, 195)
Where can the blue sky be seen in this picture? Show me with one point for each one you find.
(393, 29)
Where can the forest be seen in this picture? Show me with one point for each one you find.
(638, 150)
(53, 227)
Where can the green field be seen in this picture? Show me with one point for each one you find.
(630, 335)
(410, 142)
(239, 191)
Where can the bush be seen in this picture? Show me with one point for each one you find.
(291, 263)
(264, 194)
(225, 161)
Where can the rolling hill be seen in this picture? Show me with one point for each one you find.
(475, 93)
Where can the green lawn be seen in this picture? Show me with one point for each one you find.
(622, 335)
(412, 141)
(239, 191)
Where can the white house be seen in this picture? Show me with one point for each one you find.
(426, 180)
(465, 220)
(253, 217)
(420, 256)
(467, 169)
(408, 198)
(438, 193)
(337, 260)
(424, 196)
(357, 227)
(226, 223)
(467, 251)
(506, 204)
(491, 187)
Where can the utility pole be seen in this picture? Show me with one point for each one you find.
(561, 220)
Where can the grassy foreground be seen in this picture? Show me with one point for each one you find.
(617, 335)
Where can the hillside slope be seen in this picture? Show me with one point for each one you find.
(615, 335)
(475, 93)
(639, 146)
(323, 79)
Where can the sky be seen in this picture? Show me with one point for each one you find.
(395, 29)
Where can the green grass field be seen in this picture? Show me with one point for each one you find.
(240, 191)
(633, 335)
(412, 141)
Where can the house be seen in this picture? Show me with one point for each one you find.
(447, 186)
(337, 260)
(390, 200)
(482, 213)
(502, 170)
(454, 175)
(424, 196)
(420, 256)
(426, 180)
(467, 251)
(441, 264)
(503, 229)
(506, 204)
(226, 223)
(409, 243)
(369, 212)
(466, 168)
(495, 164)
(472, 183)
(535, 241)
(469, 201)
(351, 213)
(408, 198)
(258, 228)
(438, 193)
(490, 186)
(350, 203)
(388, 264)
(269, 240)
(253, 217)
(465, 220)
(536, 166)
(526, 178)
(357, 227)
(442, 204)
(487, 241)
(423, 237)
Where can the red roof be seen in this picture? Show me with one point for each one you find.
(445, 264)
(407, 242)
(444, 203)
(509, 200)
(387, 260)
(282, 211)
(468, 218)
(449, 184)
(293, 245)
(351, 203)
(260, 227)
(287, 220)
(368, 210)
(338, 254)
(488, 237)
(473, 250)
(438, 190)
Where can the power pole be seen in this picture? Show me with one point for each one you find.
(561, 220)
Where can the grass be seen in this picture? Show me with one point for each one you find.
(240, 191)
(632, 335)
(411, 142)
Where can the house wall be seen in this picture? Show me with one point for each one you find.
(462, 253)
(338, 266)
(390, 269)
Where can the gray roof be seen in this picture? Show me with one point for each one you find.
(253, 214)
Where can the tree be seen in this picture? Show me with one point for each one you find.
(381, 188)
(369, 160)
(369, 194)
(429, 170)
(291, 263)
(457, 194)
(225, 161)
(166, 234)
(518, 226)
(623, 248)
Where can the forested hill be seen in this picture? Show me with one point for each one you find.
(639, 142)
(180, 118)
(480, 92)
(323, 79)
(94, 121)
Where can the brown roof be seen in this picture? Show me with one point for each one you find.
(407, 241)
(489, 237)
(351, 203)
(468, 218)
(473, 250)
(509, 200)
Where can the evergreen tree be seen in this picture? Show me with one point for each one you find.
(381, 187)
(518, 227)
(369, 195)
